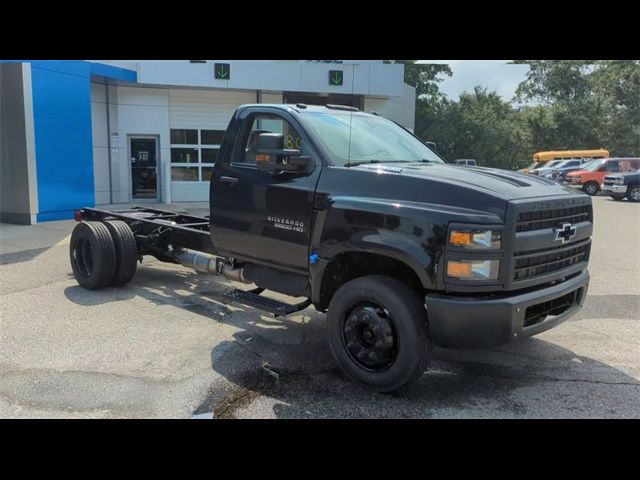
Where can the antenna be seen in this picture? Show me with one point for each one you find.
(353, 76)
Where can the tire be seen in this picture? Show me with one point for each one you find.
(397, 328)
(92, 254)
(633, 193)
(591, 188)
(126, 251)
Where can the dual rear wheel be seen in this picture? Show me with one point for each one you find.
(103, 254)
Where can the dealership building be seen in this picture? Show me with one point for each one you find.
(87, 133)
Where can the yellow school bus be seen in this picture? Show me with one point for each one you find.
(540, 158)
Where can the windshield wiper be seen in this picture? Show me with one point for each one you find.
(363, 162)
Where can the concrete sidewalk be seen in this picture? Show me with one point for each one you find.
(19, 238)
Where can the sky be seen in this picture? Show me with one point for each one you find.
(495, 75)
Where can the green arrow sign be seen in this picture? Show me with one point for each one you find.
(335, 77)
(222, 71)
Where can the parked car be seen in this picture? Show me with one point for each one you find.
(547, 169)
(592, 175)
(623, 185)
(469, 162)
(560, 172)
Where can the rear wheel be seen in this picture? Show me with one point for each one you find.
(92, 254)
(126, 251)
(633, 193)
(591, 188)
(377, 329)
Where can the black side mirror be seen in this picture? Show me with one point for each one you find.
(272, 157)
(432, 146)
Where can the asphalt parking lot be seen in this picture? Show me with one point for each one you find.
(166, 345)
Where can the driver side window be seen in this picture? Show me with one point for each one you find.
(266, 123)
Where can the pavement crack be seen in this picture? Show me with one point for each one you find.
(240, 396)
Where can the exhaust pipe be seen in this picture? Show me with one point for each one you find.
(205, 263)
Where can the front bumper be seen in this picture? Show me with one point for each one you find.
(472, 322)
(573, 185)
(614, 189)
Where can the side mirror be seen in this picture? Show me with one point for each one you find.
(431, 145)
(272, 157)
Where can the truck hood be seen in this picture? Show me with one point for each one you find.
(504, 184)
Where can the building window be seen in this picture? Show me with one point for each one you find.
(184, 136)
(193, 153)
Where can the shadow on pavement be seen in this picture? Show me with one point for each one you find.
(283, 367)
(528, 378)
(23, 256)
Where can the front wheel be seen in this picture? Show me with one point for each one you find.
(591, 188)
(377, 331)
(633, 193)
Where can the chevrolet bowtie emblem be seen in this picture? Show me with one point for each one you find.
(564, 232)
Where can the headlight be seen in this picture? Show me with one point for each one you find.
(576, 178)
(474, 239)
(473, 269)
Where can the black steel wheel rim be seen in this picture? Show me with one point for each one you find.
(370, 338)
(83, 258)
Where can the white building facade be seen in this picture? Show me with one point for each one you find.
(156, 139)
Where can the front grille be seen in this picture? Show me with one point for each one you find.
(609, 181)
(533, 263)
(541, 219)
(537, 313)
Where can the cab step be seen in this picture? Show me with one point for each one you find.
(253, 299)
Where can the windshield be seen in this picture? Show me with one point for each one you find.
(535, 165)
(593, 165)
(351, 139)
(552, 163)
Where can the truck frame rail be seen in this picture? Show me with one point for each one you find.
(158, 231)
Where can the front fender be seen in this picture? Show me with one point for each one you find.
(412, 233)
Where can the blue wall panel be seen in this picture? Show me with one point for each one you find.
(63, 137)
(64, 149)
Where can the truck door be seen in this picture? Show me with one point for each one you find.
(257, 215)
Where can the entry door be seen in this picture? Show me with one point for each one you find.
(258, 215)
(144, 168)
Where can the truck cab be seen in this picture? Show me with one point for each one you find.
(315, 198)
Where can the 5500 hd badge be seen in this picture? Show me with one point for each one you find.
(287, 224)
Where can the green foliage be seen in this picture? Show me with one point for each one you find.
(560, 105)
(424, 77)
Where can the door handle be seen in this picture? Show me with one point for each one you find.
(229, 180)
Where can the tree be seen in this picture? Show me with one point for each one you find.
(481, 126)
(424, 77)
(584, 105)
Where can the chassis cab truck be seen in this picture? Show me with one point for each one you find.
(360, 217)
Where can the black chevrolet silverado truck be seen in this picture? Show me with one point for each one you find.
(358, 217)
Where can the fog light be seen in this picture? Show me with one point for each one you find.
(473, 269)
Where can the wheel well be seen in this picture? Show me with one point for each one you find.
(350, 265)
